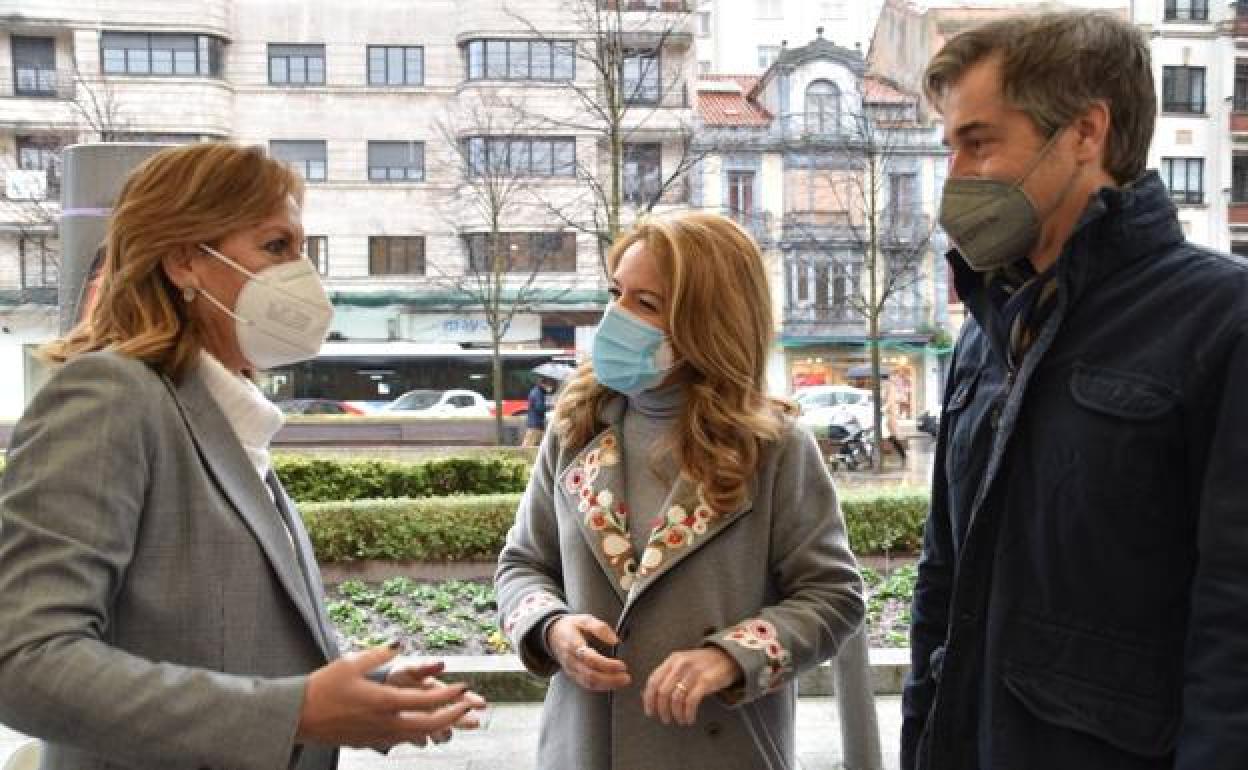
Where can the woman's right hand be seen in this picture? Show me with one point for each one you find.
(567, 639)
(343, 707)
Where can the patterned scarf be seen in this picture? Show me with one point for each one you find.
(1025, 300)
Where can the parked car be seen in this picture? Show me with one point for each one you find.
(825, 406)
(440, 403)
(317, 406)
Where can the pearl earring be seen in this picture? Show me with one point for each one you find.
(188, 293)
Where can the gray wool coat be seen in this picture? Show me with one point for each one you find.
(159, 607)
(773, 584)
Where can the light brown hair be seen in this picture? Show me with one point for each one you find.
(176, 199)
(1056, 65)
(720, 315)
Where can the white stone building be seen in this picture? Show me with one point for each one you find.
(1200, 147)
(383, 107)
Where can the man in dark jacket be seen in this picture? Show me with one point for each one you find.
(1082, 599)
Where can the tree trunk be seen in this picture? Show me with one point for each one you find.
(876, 309)
(497, 372)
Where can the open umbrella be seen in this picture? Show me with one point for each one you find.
(554, 371)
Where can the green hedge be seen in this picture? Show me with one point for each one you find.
(317, 480)
(432, 529)
(474, 528)
(885, 522)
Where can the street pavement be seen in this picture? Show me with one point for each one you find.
(508, 739)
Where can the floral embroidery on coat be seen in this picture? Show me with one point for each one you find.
(758, 634)
(535, 603)
(604, 515)
(676, 530)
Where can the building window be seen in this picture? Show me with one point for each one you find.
(741, 195)
(770, 9)
(640, 77)
(1241, 85)
(823, 107)
(1187, 10)
(34, 66)
(521, 155)
(137, 53)
(316, 248)
(396, 65)
(704, 68)
(766, 55)
(306, 157)
(903, 200)
(1185, 178)
(643, 174)
(1183, 89)
(1239, 248)
(42, 153)
(38, 264)
(521, 59)
(522, 252)
(702, 23)
(396, 255)
(1239, 178)
(396, 161)
(296, 65)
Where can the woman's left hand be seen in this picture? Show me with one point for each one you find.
(676, 688)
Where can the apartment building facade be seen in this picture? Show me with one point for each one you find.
(836, 178)
(398, 115)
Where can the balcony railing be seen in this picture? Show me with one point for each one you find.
(667, 6)
(675, 96)
(39, 84)
(833, 318)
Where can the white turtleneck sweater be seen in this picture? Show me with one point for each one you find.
(253, 417)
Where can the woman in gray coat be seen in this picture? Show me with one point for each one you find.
(679, 555)
(160, 606)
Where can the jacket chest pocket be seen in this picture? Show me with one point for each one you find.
(1125, 421)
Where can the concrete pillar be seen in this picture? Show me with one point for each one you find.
(93, 175)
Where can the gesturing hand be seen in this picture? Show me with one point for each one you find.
(342, 707)
(567, 640)
(676, 688)
(422, 677)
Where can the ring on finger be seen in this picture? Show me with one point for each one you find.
(681, 689)
(580, 651)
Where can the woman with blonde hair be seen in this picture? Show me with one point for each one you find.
(160, 605)
(679, 555)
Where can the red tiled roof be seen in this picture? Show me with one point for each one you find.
(731, 108)
(880, 92)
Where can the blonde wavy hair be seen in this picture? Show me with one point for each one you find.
(176, 199)
(720, 316)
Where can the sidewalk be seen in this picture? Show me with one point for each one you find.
(508, 738)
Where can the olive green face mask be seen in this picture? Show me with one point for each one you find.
(993, 223)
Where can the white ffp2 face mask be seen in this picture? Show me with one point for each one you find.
(282, 313)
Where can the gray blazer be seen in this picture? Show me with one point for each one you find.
(772, 583)
(157, 609)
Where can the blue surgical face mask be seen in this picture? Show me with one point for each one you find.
(630, 355)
